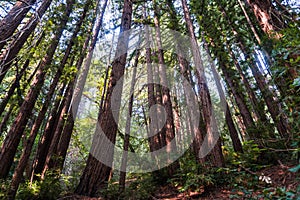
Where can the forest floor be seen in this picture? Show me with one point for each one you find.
(282, 181)
(280, 176)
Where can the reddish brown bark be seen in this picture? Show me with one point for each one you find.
(195, 129)
(16, 84)
(233, 88)
(274, 107)
(153, 134)
(65, 139)
(10, 144)
(168, 131)
(128, 126)
(45, 141)
(13, 19)
(28, 146)
(13, 49)
(52, 159)
(234, 135)
(96, 173)
(257, 107)
(209, 119)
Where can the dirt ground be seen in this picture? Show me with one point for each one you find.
(280, 177)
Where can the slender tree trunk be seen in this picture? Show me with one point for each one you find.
(168, 129)
(86, 66)
(210, 121)
(16, 82)
(96, 173)
(10, 144)
(64, 141)
(67, 131)
(249, 22)
(154, 141)
(28, 146)
(52, 159)
(14, 48)
(13, 19)
(43, 148)
(5, 119)
(128, 127)
(274, 107)
(234, 135)
(195, 129)
(233, 87)
(258, 107)
(238, 117)
(45, 141)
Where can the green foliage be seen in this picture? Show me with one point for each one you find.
(3, 187)
(140, 186)
(268, 193)
(50, 188)
(29, 190)
(280, 193)
(192, 176)
(248, 159)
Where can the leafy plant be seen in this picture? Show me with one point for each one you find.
(142, 186)
(192, 176)
(49, 188)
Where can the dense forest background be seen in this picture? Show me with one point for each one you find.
(159, 99)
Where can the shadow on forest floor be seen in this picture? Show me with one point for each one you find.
(282, 179)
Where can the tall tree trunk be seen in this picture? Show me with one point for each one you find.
(209, 119)
(45, 140)
(64, 141)
(258, 108)
(16, 82)
(274, 107)
(63, 144)
(11, 142)
(128, 126)
(168, 129)
(43, 148)
(86, 66)
(28, 146)
(15, 46)
(96, 173)
(195, 129)
(233, 87)
(13, 19)
(234, 135)
(52, 159)
(153, 134)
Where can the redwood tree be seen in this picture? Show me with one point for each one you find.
(96, 173)
(11, 142)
